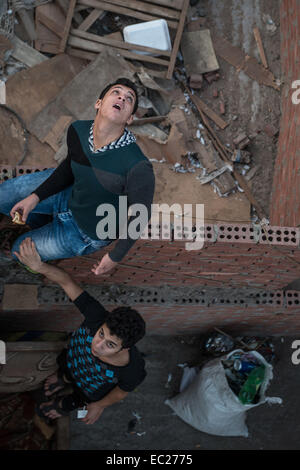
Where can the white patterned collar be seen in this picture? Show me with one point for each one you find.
(126, 138)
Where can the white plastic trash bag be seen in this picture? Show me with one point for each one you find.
(209, 405)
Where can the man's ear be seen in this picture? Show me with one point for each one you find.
(98, 104)
(129, 121)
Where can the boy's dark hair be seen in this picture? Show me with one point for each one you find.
(127, 324)
(125, 82)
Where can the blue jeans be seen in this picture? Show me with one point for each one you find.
(55, 232)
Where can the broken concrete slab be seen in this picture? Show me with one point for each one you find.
(198, 52)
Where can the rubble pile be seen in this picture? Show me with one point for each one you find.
(61, 53)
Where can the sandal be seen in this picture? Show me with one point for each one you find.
(41, 410)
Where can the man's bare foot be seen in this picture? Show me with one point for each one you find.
(51, 413)
(53, 384)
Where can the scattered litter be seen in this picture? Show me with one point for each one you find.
(141, 433)
(179, 168)
(270, 25)
(217, 344)
(182, 365)
(136, 415)
(168, 381)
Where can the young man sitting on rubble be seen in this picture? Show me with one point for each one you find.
(101, 362)
(103, 163)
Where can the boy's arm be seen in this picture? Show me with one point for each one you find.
(29, 256)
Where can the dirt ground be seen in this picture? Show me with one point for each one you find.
(249, 106)
(270, 427)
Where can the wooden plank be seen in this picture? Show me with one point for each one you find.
(92, 56)
(90, 19)
(260, 47)
(101, 5)
(64, 5)
(67, 26)
(148, 120)
(27, 22)
(209, 112)
(118, 44)
(81, 54)
(138, 5)
(250, 66)
(25, 53)
(2, 92)
(177, 40)
(50, 24)
(97, 47)
(176, 4)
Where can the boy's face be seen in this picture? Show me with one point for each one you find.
(117, 104)
(105, 344)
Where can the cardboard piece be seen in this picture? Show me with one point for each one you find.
(198, 52)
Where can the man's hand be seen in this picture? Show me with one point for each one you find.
(103, 266)
(94, 413)
(25, 206)
(29, 256)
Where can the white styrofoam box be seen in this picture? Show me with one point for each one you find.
(150, 34)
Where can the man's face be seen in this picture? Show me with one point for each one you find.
(117, 104)
(105, 344)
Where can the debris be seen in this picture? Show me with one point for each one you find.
(153, 34)
(148, 82)
(136, 415)
(148, 120)
(218, 343)
(240, 156)
(209, 112)
(2, 92)
(270, 25)
(196, 81)
(168, 381)
(211, 77)
(53, 26)
(260, 47)
(25, 53)
(252, 173)
(214, 174)
(236, 57)
(150, 131)
(241, 141)
(198, 52)
(83, 42)
(28, 23)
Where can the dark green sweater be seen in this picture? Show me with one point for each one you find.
(100, 178)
